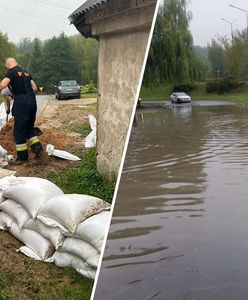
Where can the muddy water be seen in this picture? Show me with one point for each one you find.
(180, 225)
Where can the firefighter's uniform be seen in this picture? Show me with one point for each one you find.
(24, 112)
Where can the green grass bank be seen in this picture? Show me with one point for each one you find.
(162, 93)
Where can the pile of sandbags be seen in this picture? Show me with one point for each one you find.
(4, 157)
(65, 229)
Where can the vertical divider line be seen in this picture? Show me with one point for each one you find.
(125, 147)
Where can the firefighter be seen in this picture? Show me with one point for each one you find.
(24, 110)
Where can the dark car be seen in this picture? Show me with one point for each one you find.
(67, 89)
(180, 97)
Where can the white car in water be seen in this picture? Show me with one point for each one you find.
(180, 97)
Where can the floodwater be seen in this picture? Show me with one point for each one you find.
(180, 224)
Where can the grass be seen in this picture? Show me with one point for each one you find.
(56, 286)
(199, 93)
(85, 179)
(84, 96)
(83, 129)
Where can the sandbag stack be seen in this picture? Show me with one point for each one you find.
(65, 229)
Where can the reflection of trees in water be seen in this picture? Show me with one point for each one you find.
(170, 142)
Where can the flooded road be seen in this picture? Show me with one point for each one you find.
(180, 224)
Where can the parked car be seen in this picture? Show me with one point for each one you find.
(67, 89)
(180, 97)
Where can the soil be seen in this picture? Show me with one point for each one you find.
(57, 123)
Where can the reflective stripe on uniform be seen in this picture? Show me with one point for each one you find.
(33, 140)
(21, 147)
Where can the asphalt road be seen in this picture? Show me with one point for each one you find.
(42, 101)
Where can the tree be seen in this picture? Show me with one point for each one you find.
(229, 57)
(58, 62)
(172, 57)
(86, 52)
(7, 49)
(36, 60)
(25, 49)
(216, 56)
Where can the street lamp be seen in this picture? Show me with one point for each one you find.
(231, 24)
(246, 12)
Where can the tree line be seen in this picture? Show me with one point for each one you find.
(173, 58)
(58, 58)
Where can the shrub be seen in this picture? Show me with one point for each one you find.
(89, 89)
(222, 86)
(185, 87)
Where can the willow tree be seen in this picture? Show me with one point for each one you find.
(7, 49)
(172, 57)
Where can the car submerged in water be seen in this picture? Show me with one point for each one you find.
(180, 97)
(67, 89)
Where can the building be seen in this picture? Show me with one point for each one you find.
(122, 28)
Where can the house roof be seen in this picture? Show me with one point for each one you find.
(86, 6)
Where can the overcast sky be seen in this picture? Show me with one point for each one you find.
(46, 18)
(207, 15)
(41, 18)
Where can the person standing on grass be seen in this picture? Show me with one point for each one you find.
(24, 110)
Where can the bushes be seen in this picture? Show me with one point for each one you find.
(221, 86)
(185, 87)
(88, 89)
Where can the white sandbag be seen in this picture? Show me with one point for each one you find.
(4, 157)
(15, 211)
(2, 199)
(5, 221)
(3, 115)
(93, 229)
(29, 192)
(81, 249)
(90, 140)
(51, 151)
(41, 246)
(53, 223)
(92, 120)
(54, 235)
(29, 253)
(70, 210)
(68, 260)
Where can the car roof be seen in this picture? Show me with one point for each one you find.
(178, 93)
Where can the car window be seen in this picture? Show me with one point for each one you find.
(68, 83)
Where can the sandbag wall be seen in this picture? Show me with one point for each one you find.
(54, 227)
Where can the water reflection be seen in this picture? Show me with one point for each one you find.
(180, 219)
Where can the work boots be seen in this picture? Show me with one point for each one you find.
(38, 151)
(18, 162)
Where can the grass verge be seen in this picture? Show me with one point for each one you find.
(199, 93)
(83, 96)
(85, 179)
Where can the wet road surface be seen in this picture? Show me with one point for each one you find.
(180, 224)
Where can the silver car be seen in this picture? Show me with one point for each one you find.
(67, 89)
(180, 97)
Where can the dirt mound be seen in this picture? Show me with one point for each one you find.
(61, 140)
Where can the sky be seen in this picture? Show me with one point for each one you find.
(41, 18)
(46, 18)
(207, 18)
